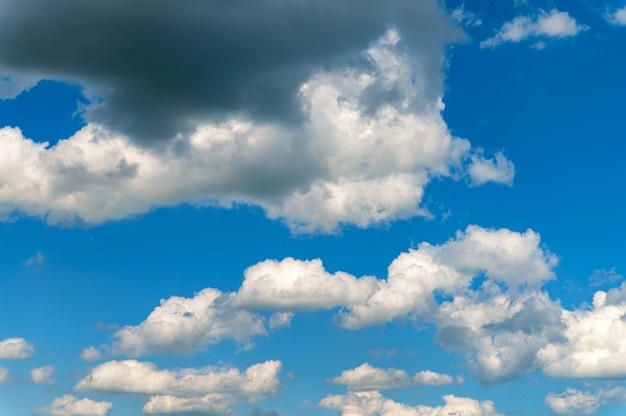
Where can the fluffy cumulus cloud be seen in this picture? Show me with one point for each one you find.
(364, 140)
(182, 325)
(595, 340)
(365, 377)
(372, 403)
(43, 375)
(208, 390)
(617, 17)
(296, 284)
(69, 405)
(16, 349)
(553, 24)
(481, 290)
(576, 402)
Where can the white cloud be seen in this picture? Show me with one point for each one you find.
(183, 325)
(210, 404)
(4, 375)
(42, 375)
(576, 402)
(15, 349)
(431, 378)
(365, 377)
(69, 405)
(618, 17)
(414, 278)
(91, 354)
(484, 170)
(38, 258)
(554, 24)
(280, 320)
(375, 137)
(372, 403)
(183, 391)
(296, 284)
(500, 324)
(595, 340)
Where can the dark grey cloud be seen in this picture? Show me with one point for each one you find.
(157, 67)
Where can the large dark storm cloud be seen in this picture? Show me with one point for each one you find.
(160, 66)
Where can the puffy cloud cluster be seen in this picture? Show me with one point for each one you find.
(15, 349)
(43, 375)
(372, 403)
(69, 405)
(576, 402)
(554, 24)
(182, 325)
(206, 391)
(373, 138)
(365, 377)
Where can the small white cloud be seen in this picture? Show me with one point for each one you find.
(16, 349)
(576, 402)
(184, 325)
(498, 170)
(280, 320)
(372, 403)
(554, 24)
(618, 17)
(431, 378)
(38, 258)
(4, 375)
(365, 377)
(91, 354)
(42, 375)
(69, 405)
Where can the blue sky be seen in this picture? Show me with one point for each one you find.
(315, 208)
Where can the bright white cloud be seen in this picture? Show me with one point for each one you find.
(365, 377)
(69, 405)
(595, 340)
(43, 375)
(372, 403)
(182, 325)
(295, 284)
(4, 375)
(184, 391)
(618, 17)
(497, 170)
(15, 349)
(431, 378)
(576, 402)
(375, 137)
(554, 24)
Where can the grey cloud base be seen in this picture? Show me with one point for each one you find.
(155, 68)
